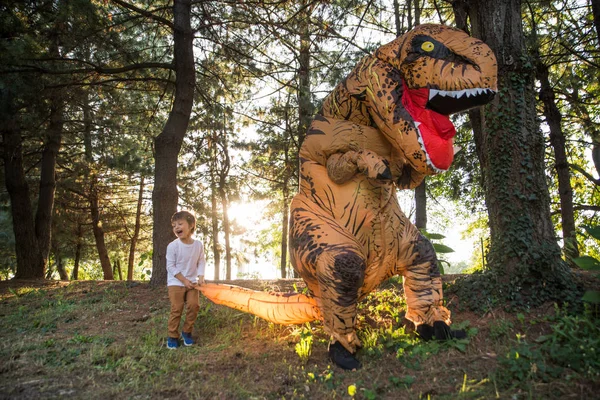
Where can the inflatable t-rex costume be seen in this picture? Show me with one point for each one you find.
(386, 126)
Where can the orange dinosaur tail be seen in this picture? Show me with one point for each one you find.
(280, 308)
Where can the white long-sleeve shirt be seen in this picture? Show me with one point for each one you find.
(187, 259)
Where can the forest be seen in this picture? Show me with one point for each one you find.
(117, 113)
(94, 100)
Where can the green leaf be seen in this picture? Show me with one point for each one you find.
(591, 296)
(593, 231)
(434, 236)
(587, 262)
(543, 338)
(440, 248)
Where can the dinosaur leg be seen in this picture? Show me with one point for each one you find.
(333, 266)
(341, 275)
(424, 297)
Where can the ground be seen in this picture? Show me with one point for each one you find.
(100, 339)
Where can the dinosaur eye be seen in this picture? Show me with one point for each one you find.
(427, 46)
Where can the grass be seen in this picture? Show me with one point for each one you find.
(97, 340)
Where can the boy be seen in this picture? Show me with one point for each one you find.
(185, 269)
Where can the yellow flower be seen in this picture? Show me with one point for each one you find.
(352, 390)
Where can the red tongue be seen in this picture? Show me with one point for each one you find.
(415, 100)
(436, 129)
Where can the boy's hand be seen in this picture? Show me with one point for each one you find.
(186, 282)
(201, 280)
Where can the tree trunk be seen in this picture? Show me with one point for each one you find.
(523, 250)
(136, 231)
(30, 263)
(223, 174)
(421, 206)
(284, 234)
(99, 230)
(397, 20)
(117, 269)
(417, 12)
(43, 216)
(60, 267)
(226, 228)
(215, 229)
(75, 274)
(93, 200)
(596, 17)
(557, 140)
(305, 110)
(168, 143)
(596, 136)
(461, 11)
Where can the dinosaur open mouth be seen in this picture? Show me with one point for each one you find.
(450, 102)
(430, 110)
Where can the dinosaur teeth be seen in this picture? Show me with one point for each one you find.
(457, 94)
(422, 143)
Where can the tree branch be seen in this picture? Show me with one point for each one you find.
(586, 174)
(98, 69)
(145, 13)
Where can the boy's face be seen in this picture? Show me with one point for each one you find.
(182, 229)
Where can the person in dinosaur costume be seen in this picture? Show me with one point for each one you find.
(386, 126)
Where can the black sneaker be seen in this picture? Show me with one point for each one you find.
(343, 358)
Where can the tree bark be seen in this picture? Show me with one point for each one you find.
(215, 229)
(30, 263)
(117, 269)
(136, 230)
(226, 228)
(223, 174)
(284, 234)
(60, 267)
(421, 206)
(305, 109)
(557, 140)
(75, 274)
(596, 136)
(168, 144)
(93, 200)
(43, 216)
(596, 17)
(523, 250)
(99, 230)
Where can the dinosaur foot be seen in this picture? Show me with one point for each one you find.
(439, 331)
(342, 357)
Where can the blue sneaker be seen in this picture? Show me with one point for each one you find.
(187, 339)
(172, 343)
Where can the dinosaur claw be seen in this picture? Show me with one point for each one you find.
(425, 332)
(440, 331)
(343, 358)
(385, 175)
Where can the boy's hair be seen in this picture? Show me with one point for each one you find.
(186, 215)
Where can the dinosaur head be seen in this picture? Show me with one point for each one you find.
(443, 71)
